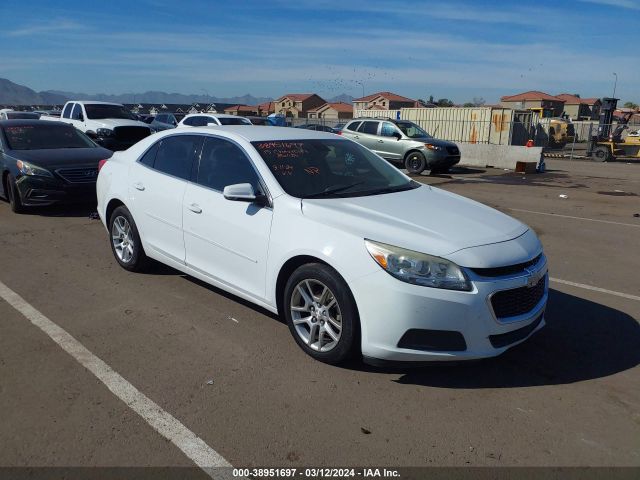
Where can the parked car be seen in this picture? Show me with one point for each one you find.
(339, 126)
(403, 142)
(43, 163)
(259, 121)
(9, 114)
(317, 127)
(163, 121)
(355, 255)
(110, 125)
(204, 119)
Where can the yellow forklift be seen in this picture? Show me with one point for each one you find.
(607, 144)
(560, 131)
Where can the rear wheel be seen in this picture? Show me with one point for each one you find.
(321, 313)
(125, 241)
(13, 195)
(415, 163)
(602, 153)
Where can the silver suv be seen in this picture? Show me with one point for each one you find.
(403, 142)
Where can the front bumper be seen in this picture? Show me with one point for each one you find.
(391, 310)
(39, 191)
(443, 159)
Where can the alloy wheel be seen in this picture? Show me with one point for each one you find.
(122, 238)
(316, 315)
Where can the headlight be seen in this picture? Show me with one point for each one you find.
(104, 132)
(431, 146)
(31, 170)
(418, 268)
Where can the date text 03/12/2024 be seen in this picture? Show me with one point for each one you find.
(316, 472)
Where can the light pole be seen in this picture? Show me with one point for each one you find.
(615, 84)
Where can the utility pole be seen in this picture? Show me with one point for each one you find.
(615, 84)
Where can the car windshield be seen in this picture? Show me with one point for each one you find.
(96, 111)
(40, 137)
(412, 130)
(23, 116)
(234, 121)
(324, 168)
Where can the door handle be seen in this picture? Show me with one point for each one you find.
(380, 141)
(356, 136)
(195, 208)
(138, 186)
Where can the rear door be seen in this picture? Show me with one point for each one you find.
(368, 133)
(350, 130)
(224, 239)
(158, 183)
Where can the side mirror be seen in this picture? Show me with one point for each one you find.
(241, 192)
(398, 135)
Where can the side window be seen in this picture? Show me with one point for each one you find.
(223, 163)
(149, 158)
(204, 121)
(161, 118)
(66, 113)
(353, 126)
(176, 154)
(189, 121)
(388, 129)
(76, 113)
(369, 127)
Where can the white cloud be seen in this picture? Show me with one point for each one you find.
(629, 4)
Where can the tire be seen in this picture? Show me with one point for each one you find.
(125, 241)
(601, 154)
(310, 290)
(13, 195)
(415, 163)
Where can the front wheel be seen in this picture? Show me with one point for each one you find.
(601, 154)
(415, 163)
(321, 313)
(125, 241)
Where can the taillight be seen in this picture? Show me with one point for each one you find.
(339, 132)
(101, 164)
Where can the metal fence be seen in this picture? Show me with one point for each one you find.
(623, 141)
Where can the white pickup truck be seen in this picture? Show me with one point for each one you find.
(108, 124)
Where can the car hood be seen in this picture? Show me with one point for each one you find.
(116, 122)
(62, 157)
(433, 141)
(424, 219)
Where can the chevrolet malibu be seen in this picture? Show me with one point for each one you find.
(354, 255)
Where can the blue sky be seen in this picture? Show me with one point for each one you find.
(454, 49)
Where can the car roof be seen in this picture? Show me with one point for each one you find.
(257, 133)
(28, 122)
(213, 115)
(94, 102)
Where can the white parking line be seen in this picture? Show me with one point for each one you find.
(161, 421)
(595, 289)
(574, 218)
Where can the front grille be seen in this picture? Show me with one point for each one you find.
(453, 151)
(508, 270)
(79, 175)
(518, 301)
(131, 134)
(504, 339)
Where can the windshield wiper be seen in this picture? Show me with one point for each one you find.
(399, 188)
(332, 190)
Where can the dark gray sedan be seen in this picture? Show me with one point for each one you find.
(46, 162)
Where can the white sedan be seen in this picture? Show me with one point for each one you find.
(357, 257)
(204, 119)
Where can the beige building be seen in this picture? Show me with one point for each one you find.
(333, 111)
(266, 109)
(241, 110)
(577, 108)
(534, 99)
(383, 101)
(297, 105)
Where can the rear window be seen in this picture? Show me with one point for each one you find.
(41, 137)
(234, 121)
(22, 116)
(369, 127)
